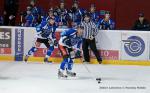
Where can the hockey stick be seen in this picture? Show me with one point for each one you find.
(92, 75)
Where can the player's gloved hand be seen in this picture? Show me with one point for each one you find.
(55, 42)
(91, 37)
(78, 54)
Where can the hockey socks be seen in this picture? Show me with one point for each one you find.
(32, 50)
(49, 51)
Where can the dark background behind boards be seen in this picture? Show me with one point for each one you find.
(124, 12)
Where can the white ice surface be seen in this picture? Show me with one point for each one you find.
(19, 77)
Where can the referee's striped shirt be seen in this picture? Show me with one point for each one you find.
(90, 29)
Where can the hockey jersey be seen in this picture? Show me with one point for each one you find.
(30, 20)
(69, 38)
(106, 25)
(95, 17)
(76, 16)
(46, 31)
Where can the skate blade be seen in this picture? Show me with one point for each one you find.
(60, 77)
(72, 75)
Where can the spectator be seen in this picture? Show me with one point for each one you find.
(88, 37)
(106, 23)
(51, 15)
(10, 11)
(29, 18)
(76, 14)
(94, 15)
(36, 11)
(62, 12)
(6, 21)
(141, 23)
(1, 21)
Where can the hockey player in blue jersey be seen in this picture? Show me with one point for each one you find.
(76, 14)
(94, 14)
(51, 14)
(69, 38)
(29, 18)
(36, 11)
(46, 35)
(62, 13)
(107, 23)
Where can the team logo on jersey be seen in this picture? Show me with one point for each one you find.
(134, 46)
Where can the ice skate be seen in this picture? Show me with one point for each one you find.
(71, 74)
(61, 74)
(46, 60)
(100, 62)
(26, 58)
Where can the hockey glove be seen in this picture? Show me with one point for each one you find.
(78, 54)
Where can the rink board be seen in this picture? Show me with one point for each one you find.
(116, 47)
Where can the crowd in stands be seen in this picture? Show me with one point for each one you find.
(34, 15)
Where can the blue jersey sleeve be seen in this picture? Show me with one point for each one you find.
(99, 22)
(40, 26)
(44, 18)
(95, 17)
(68, 32)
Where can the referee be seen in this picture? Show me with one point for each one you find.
(88, 36)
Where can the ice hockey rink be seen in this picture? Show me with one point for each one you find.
(20, 77)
